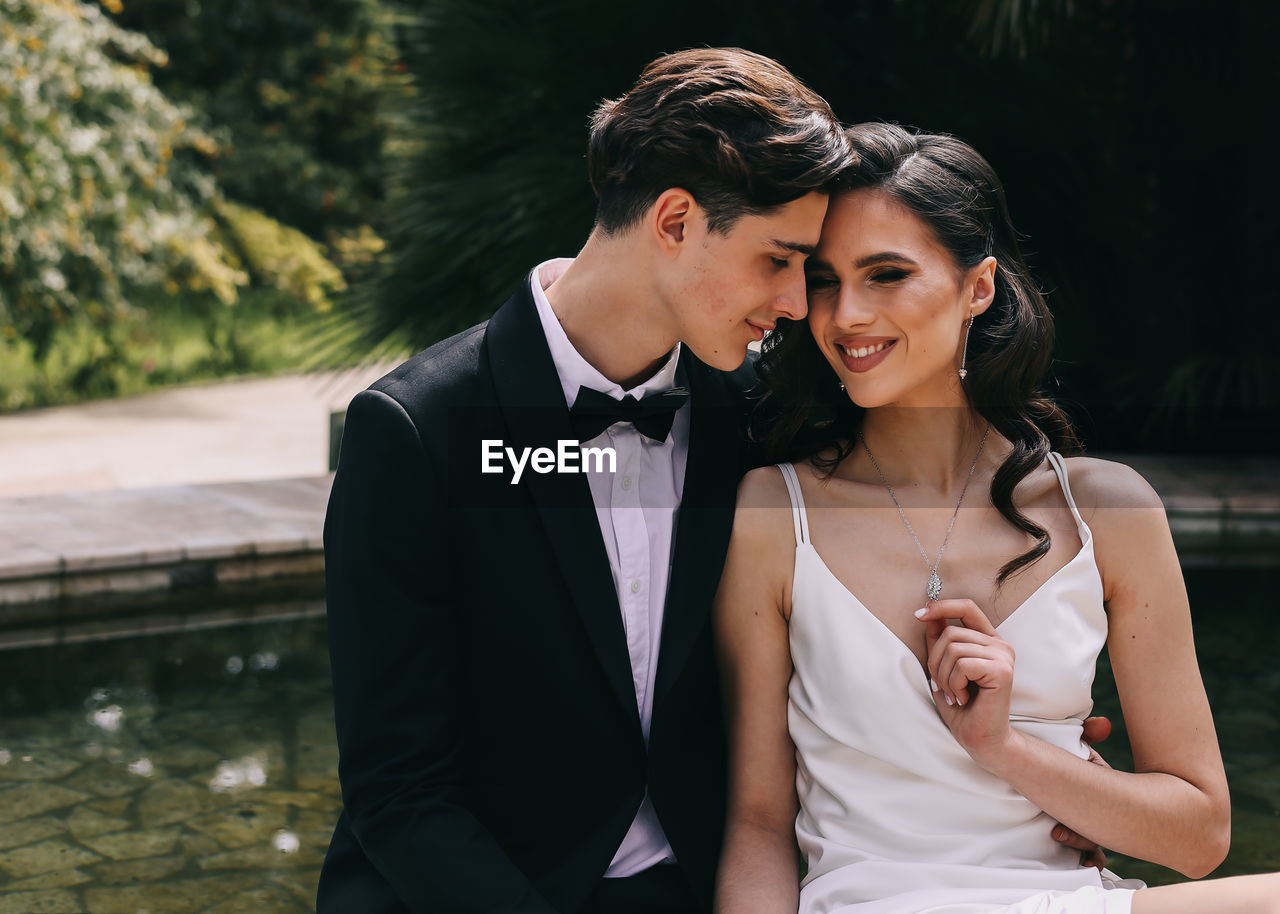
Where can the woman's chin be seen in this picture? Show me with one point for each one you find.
(867, 399)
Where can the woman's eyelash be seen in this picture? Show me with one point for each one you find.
(820, 282)
(889, 276)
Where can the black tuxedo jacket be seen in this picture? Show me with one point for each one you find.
(491, 756)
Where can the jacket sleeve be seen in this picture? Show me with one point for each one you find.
(393, 642)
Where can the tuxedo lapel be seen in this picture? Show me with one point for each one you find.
(532, 402)
(706, 515)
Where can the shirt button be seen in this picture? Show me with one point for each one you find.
(626, 483)
(635, 586)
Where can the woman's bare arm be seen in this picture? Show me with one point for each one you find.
(1175, 809)
(758, 869)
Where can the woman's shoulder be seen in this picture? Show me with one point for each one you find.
(1097, 483)
(763, 487)
(763, 541)
(1123, 512)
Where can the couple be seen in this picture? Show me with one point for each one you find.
(527, 692)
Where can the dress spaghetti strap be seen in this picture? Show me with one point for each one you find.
(1060, 468)
(798, 516)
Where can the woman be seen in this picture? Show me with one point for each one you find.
(878, 716)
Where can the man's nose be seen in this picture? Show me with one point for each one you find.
(793, 303)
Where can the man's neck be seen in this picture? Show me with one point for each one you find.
(612, 314)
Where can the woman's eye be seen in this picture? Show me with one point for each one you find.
(888, 276)
(813, 282)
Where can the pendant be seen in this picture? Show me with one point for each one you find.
(933, 589)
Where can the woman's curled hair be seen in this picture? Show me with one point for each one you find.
(805, 414)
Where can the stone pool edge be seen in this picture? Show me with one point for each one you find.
(77, 557)
(78, 554)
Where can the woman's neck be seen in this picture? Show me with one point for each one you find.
(928, 448)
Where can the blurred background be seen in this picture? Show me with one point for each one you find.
(221, 218)
(192, 189)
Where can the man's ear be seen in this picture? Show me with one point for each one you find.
(670, 218)
(982, 286)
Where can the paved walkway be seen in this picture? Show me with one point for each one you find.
(231, 431)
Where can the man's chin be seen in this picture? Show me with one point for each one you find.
(729, 359)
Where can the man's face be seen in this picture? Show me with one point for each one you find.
(733, 287)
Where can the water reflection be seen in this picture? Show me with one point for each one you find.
(159, 773)
(154, 774)
(250, 771)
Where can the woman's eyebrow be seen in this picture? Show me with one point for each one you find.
(883, 257)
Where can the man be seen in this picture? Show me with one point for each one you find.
(526, 698)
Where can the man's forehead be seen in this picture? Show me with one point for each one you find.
(794, 227)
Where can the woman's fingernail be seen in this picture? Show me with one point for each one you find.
(949, 701)
(920, 613)
(960, 699)
(933, 685)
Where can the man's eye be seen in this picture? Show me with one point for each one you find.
(780, 262)
(888, 276)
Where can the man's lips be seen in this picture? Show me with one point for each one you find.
(758, 330)
(863, 355)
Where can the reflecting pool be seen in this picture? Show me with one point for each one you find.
(1238, 643)
(196, 772)
(174, 773)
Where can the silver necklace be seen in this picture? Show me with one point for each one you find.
(933, 589)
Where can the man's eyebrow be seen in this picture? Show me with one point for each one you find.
(883, 257)
(797, 247)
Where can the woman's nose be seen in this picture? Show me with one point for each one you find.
(852, 309)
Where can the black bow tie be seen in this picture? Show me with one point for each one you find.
(593, 412)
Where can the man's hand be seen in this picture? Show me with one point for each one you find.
(1096, 729)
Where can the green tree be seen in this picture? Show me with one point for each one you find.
(100, 190)
(294, 89)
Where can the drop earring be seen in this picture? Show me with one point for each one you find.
(964, 353)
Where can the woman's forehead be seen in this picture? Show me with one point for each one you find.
(867, 221)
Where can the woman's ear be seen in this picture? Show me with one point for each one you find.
(670, 217)
(982, 286)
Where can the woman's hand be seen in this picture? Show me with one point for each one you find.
(971, 674)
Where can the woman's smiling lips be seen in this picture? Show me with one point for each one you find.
(861, 354)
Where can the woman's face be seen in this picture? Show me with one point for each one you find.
(888, 304)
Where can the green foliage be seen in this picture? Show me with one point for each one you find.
(281, 257)
(98, 196)
(163, 342)
(294, 88)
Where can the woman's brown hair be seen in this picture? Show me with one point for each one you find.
(952, 189)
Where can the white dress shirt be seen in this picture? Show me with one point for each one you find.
(636, 507)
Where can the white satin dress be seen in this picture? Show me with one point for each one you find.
(895, 817)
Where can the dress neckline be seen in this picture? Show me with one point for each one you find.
(1086, 546)
(1058, 465)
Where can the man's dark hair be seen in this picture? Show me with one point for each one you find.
(733, 128)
